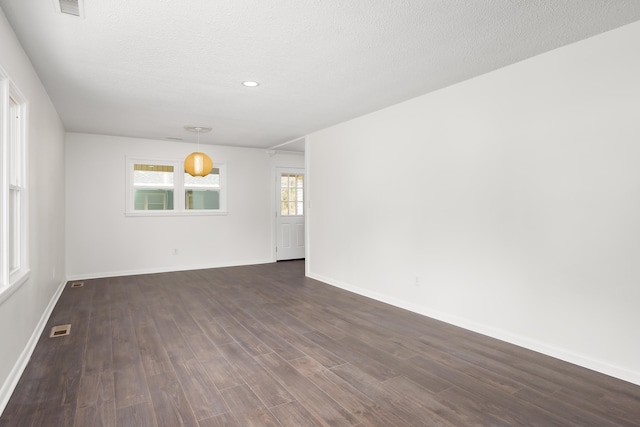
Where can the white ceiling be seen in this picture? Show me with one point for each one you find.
(147, 68)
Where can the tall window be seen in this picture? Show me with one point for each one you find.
(15, 186)
(13, 191)
(163, 188)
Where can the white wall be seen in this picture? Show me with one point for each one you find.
(514, 198)
(26, 309)
(102, 241)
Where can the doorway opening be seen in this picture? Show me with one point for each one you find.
(290, 214)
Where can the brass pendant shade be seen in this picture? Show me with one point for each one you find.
(198, 163)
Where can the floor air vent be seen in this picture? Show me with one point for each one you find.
(77, 284)
(60, 331)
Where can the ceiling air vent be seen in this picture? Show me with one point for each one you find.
(69, 7)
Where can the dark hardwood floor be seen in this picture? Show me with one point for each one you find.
(264, 346)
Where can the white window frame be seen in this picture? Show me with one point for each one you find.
(178, 189)
(13, 176)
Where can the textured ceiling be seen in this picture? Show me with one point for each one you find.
(147, 68)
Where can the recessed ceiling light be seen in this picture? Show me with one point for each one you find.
(250, 84)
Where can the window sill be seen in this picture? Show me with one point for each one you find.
(14, 285)
(176, 213)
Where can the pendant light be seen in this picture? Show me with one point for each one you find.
(198, 163)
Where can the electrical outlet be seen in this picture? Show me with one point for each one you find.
(418, 282)
(175, 251)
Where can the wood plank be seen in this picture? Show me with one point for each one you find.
(222, 373)
(294, 414)
(169, 402)
(313, 399)
(152, 352)
(173, 341)
(98, 349)
(201, 393)
(102, 414)
(251, 343)
(615, 409)
(270, 336)
(130, 385)
(265, 386)
(247, 408)
(140, 414)
(202, 347)
(500, 406)
(22, 404)
(125, 349)
(55, 416)
(185, 322)
(95, 389)
(215, 332)
(576, 415)
(390, 402)
(341, 391)
(421, 399)
(285, 318)
(223, 420)
(309, 348)
(351, 354)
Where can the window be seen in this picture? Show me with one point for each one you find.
(15, 186)
(202, 192)
(156, 187)
(291, 194)
(14, 265)
(152, 187)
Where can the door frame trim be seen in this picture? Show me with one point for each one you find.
(282, 159)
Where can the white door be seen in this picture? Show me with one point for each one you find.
(289, 213)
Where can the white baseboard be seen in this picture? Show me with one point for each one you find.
(18, 368)
(522, 341)
(153, 270)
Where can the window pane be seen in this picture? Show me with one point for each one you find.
(291, 194)
(16, 142)
(153, 187)
(14, 230)
(155, 176)
(209, 181)
(202, 199)
(153, 199)
(202, 192)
